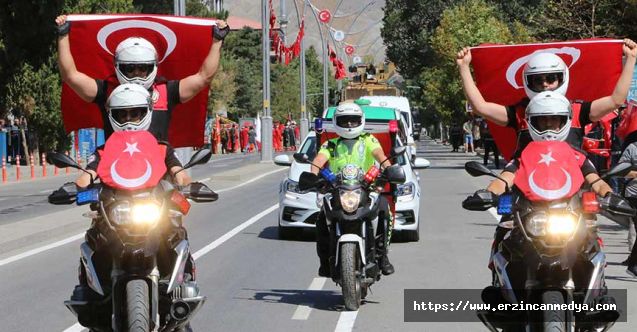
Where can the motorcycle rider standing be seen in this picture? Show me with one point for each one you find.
(353, 146)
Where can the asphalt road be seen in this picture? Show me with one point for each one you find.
(256, 282)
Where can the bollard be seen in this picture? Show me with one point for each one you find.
(4, 171)
(67, 169)
(32, 163)
(43, 165)
(17, 168)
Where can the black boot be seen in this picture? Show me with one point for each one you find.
(385, 266)
(324, 269)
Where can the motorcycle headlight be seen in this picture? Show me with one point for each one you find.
(350, 199)
(407, 189)
(146, 213)
(542, 224)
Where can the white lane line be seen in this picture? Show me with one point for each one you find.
(494, 213)
(234, 232)
(41, 249)
(75, 328)
(81, 235)
(302, 311)
(346, 321)
(250, 181)
(204, 180)
(46, 191)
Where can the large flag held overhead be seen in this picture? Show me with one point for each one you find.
(182, 44)
(594, 65)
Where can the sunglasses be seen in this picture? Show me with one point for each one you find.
(349, 121)
(541, 78)
(129, 68)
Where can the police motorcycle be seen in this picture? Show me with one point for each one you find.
(350, 203)
(138, 254)
(552, 255)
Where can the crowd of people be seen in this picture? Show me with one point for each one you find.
(16, 139)
(474, 134)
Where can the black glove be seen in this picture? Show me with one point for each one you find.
(615, 203)
(220, 34)
(481, 200)
(64, 29)
(64, 195)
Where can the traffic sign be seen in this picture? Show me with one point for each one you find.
(325, 16)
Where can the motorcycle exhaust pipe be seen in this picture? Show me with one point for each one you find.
(179, 310)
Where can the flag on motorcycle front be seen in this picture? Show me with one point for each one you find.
(132, 160)
(594, 66)
(182, 43)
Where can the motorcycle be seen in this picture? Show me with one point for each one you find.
(135, 254)
(552, 255)
(351, 207)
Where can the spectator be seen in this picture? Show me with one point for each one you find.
(455, 135)
(224, 139)
(489, 145)
(233, 138)
(468, 136)
(252, 139)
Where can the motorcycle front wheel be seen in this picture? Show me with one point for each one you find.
(554, 320)
(137, 306)
(350, 283)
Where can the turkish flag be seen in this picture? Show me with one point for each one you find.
(594, 65)
(628, 123)
(182, 43)
(549, 170)
(132, 160)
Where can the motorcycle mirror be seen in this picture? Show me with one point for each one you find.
(301, 158)
(200, 157)
(475, 168)
(619, 170)
(308, 180)
(200, 193)
(398, 150)
(61, 160)
(395, 174)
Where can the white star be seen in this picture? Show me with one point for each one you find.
(546, 158)
(131, 148)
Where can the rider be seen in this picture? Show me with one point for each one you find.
(362, 149)
(136, 62)
(129, 109)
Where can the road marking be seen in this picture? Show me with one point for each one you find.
(302, 311)
(494, 213)
(234, 232)
(250, 181)
(41, 249)
(75, 328)
(81, 235)
(204, 180)
(46, 191)
(346, 321)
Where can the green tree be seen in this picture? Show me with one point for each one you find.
(470, 24)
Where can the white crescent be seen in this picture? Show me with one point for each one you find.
(164, 31)
(515, 66)
(130, 183)
(551, 194)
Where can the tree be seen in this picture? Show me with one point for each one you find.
(472, 23)
(223, 87)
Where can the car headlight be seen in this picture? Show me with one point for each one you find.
(350, 199)
(407, 189)
(542, 224)
(291, 186)
(147, 213)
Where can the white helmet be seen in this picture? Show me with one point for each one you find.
(545, 63)
(126, 97)
(549, 103)
(345, 114)
(136, 51)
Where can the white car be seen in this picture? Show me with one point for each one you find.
(401, 104)
(298, 210)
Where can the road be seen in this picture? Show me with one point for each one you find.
(256, 282)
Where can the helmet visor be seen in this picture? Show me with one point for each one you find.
(538, 82)
(544, 123)
(136, 69)
(129, 115)
(349, 121)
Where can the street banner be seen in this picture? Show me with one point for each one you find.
(182, 44)
(594, 65)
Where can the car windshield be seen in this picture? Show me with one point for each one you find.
(309, 147)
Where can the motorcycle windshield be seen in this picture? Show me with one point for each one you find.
(549, 171)
(132, 160)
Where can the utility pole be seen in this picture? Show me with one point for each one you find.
(266, 120)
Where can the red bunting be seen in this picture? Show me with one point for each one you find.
(280, 49)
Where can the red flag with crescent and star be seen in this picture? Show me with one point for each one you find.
(594, 66)
(182, 44)
(549, 170)
(132, 160)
